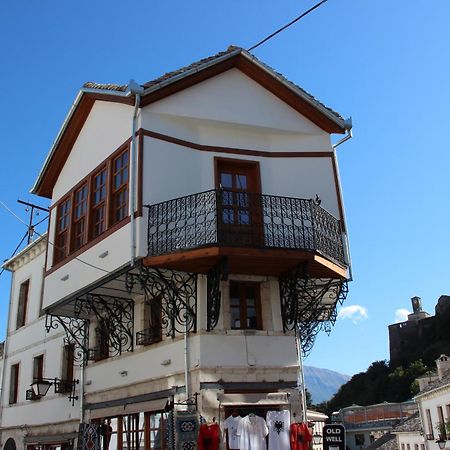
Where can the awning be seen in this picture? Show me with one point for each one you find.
(254, 399)
(50, 438)
(129, 408)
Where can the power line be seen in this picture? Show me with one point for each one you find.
(48, 240)
(287, 25)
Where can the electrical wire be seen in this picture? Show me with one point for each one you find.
(13, 213)
(48, 240)
(287, 25)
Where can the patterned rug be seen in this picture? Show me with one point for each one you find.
(186, 430)
(89, 436)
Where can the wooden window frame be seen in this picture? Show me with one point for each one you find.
(123, 173)
(14, 383)
(38, 367)
(242, 286)
(22, 304)
(68, 361)
(103, 203)
(70, 244)
(79, 239)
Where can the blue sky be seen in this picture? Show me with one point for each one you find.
(384, 63)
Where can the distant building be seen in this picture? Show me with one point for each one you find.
(422, 335)
(366, 424)
(434, 403)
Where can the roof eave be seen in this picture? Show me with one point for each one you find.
(36, 188)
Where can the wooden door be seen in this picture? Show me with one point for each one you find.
(239, 198)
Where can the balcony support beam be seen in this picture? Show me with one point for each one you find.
(77, 334)
(215, 275)
(308, 304)
(175, 292)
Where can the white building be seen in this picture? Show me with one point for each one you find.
(433, 400)
(196, 221)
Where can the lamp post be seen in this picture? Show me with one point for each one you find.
(40, 387)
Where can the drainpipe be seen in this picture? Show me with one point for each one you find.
(186, 360)
(137, 90)
(301, 375)
(348, 127)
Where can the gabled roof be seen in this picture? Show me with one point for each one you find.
(410, 425)
(385, 442)
(175, 81)
(443, 382)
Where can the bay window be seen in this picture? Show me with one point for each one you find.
(96, 204)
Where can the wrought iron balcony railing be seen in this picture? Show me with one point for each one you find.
(238, 219)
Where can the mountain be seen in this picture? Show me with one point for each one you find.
(323, 383)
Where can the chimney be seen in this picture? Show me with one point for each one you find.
(442, 365)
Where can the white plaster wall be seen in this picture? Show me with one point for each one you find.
(27, 342)
(233, 98)
(53, 407)
(107, 127)
(117, 246)
(172, 171)
(431, 401)
(206, 351)
(412, 439)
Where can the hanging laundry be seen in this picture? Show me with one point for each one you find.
(278, 423)
(209, 436)
(252, 432)
(230, 425)
(300, 436)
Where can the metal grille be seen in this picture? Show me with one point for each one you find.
(226, 218)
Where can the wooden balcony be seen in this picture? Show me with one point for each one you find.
(259, 234)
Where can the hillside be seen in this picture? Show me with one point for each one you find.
(323, 383)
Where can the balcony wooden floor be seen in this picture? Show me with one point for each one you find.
(250, 261)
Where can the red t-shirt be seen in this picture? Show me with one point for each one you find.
(209, 437)
(300, 436)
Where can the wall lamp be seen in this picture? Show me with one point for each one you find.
(40, 387)
(441, 443)
(317, 439)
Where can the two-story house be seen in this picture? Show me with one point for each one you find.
(196, 226)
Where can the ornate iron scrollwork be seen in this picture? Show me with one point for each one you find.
(175, 292)
(77, 334)
(116, 315)
(215, 275)
(308, 305)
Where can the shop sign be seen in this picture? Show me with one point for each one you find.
(333, 437)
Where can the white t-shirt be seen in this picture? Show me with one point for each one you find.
(231, 424)
(252, 432)
(278, 423)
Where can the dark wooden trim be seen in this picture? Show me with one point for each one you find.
(260, 76)
(115, 153)
(88, 181)
(252, 165)
(288, 96)
(69, 137)
(252, 70)
(140, 172)
(231, 150)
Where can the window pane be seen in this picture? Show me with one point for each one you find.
(226, 180)
(241, 182)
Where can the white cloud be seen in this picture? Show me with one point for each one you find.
(355, 313)
(401, 315)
